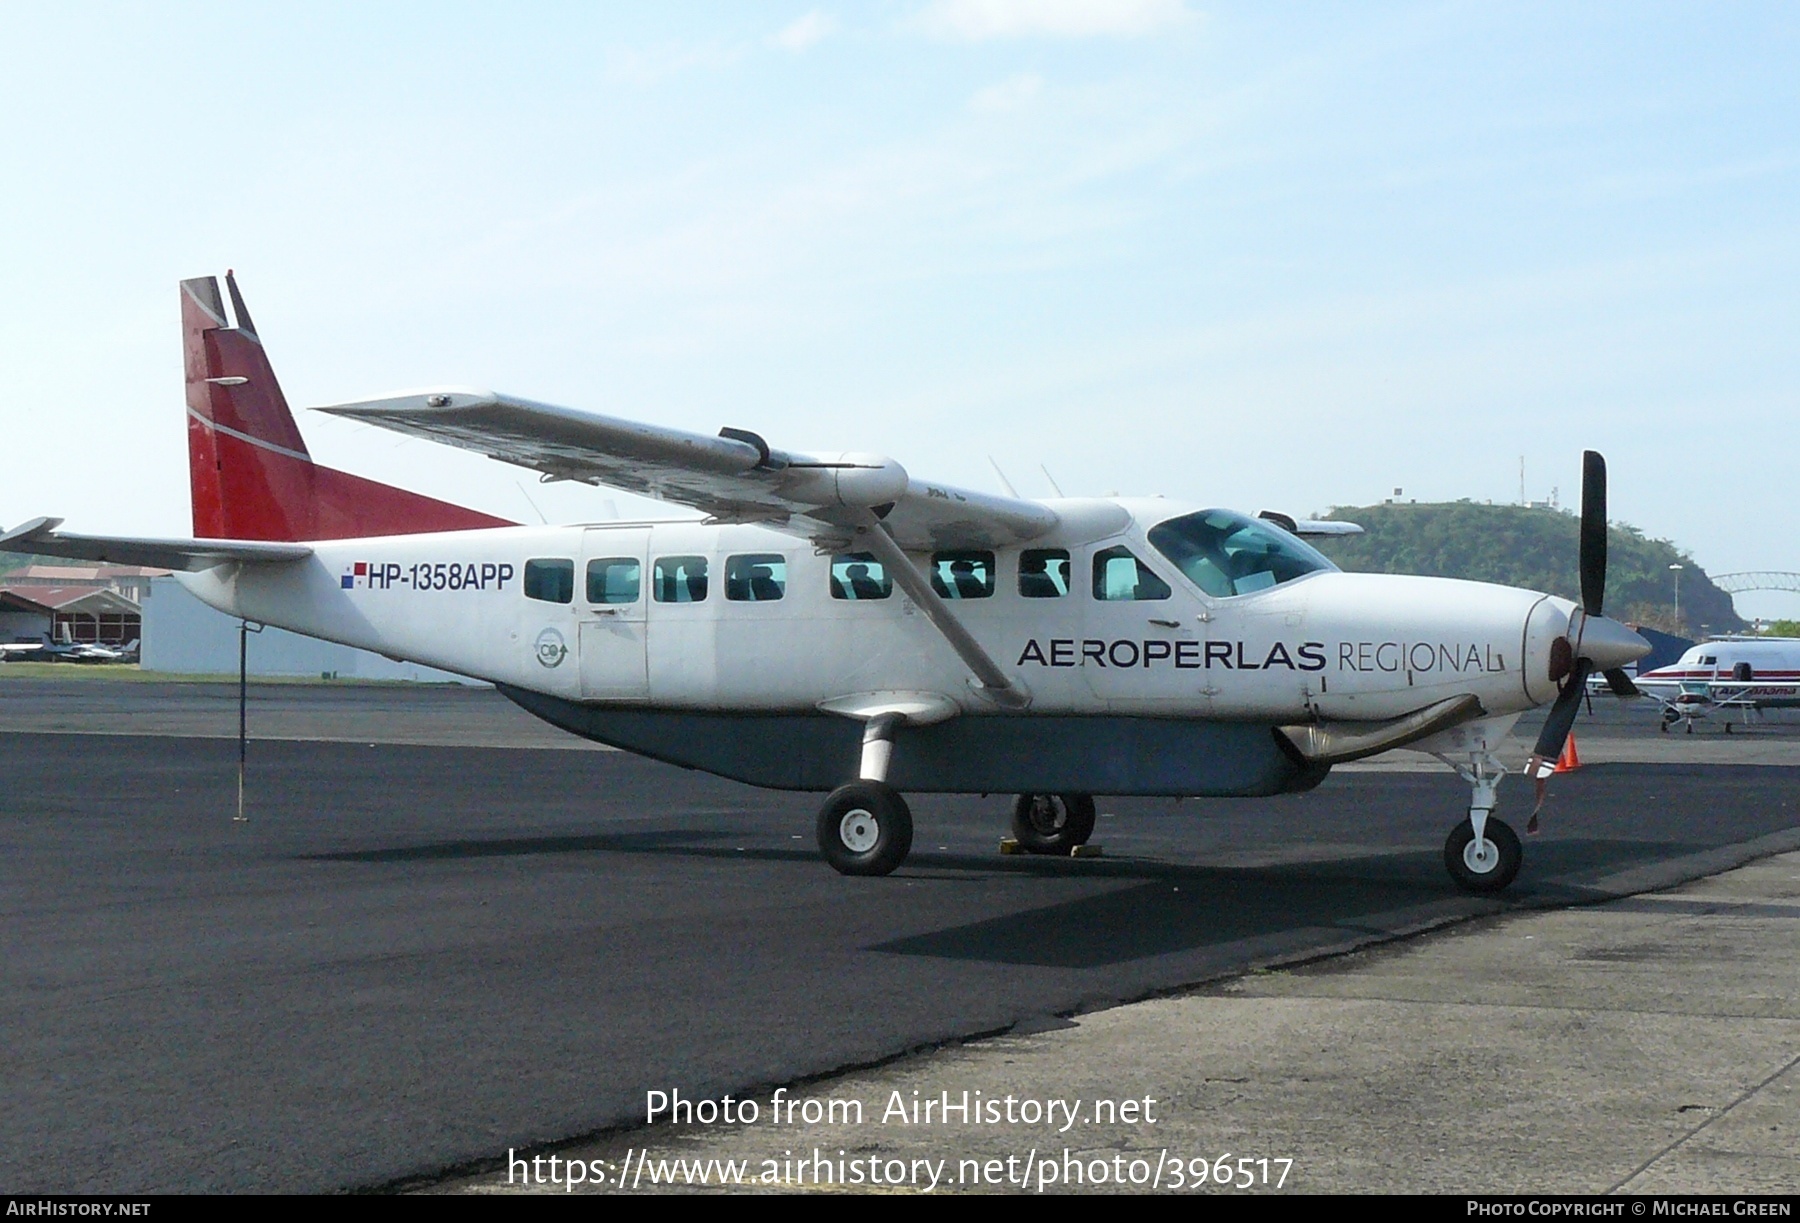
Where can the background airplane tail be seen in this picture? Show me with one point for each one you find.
(250, 472)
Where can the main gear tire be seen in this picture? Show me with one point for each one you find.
(1052, 823)
(1486, 866)
(865, 828)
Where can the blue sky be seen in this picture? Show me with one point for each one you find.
(1262, 255)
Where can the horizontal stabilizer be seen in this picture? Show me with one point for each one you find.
(39, 537)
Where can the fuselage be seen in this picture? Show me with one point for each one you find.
(1094, 618)
(1764, 673)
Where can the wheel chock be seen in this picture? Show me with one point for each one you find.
(1010, 845)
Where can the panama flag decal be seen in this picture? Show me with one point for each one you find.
(357, 575)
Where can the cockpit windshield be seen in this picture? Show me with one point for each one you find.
(1227, 554)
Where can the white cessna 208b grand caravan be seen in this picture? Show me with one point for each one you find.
(837, 624)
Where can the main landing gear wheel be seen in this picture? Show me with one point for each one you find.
(1052, 823)
(1487, 865)
(865, 828)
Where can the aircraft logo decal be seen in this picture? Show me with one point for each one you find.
(1188, 654)
(551, 648)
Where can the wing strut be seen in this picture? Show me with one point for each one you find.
(991, 681)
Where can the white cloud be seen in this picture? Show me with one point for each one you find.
(807, 32)
(975, 20)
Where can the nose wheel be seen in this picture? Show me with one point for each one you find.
(1482, 854)
(1485, 863)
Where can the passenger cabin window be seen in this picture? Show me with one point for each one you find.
(1226, 554)
(759, 577)
(680, 579)
(550, 581)
(613, 579)
(859, 576)
(1118, 575)
(963, 575)
(1044, 573)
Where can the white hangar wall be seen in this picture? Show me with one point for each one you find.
(184, 636)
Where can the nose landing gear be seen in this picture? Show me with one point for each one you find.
(1482, 855)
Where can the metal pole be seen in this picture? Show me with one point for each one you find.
(243, 697)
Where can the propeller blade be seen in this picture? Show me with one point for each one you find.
(1593, 531)
(1562, 714)
(1620, 683)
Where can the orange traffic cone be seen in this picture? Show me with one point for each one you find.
(1570, 760)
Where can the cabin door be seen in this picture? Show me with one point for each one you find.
(611, 591)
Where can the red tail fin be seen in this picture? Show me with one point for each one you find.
(251, 475)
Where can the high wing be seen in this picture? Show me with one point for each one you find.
(1304, 527)
(735, 477)
(39, 537)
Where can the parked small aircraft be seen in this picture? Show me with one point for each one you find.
(837, 624)
(65, 649)
(1726, 675)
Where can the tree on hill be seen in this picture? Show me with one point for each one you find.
(1535, 548)
(11, 561)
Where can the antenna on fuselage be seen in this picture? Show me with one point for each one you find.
(1052, 479)
(531, 503)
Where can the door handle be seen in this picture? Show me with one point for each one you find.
(1165, 623)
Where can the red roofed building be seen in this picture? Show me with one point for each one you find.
(84, 613)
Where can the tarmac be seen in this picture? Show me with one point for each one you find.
(419, 957)
(1642, 1046)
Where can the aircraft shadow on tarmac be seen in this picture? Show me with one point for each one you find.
(1166, 908)
(1188, 908)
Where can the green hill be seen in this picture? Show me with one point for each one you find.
(1536, 548)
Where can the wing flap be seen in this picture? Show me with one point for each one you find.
(39, 537)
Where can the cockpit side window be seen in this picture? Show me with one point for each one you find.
(1227, 554)
(1118, 575)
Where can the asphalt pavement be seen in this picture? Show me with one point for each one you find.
(412, 958)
